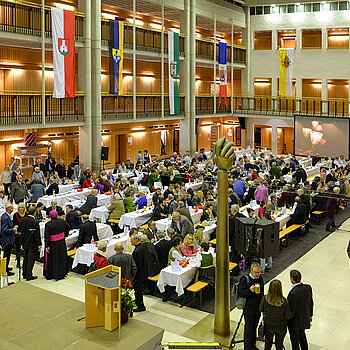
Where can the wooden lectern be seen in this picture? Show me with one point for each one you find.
(102, 298)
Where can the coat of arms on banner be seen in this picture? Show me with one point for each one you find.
(174, 70)
(286, 62)
(222, 73)
(116, 55)
(63, 46)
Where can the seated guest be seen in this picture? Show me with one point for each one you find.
(284, 199)
(72, 218)
(182, 210)
(100, 257)
(198, 198)
(163, 247)
(198, 237)
(125, 261)
(282, 182)
(38, 214)
(133, 188)
(187, 200)
(123, 184)
(205, 257)
(53, 188)
(181, 224)
(300, 174)
(151, 232)
(160, 211)
(142, 201)
(169, 190)
(56, 207)
(107, 185)
(300, 214)
(99, 186)
(271, 205)
(90, 203)
(87, 231)
(286, 170)
(129, 247)
(3, 199)
(208, 213)
(173, 203)
(37, 190)
(87, 183)
(129, 205)
(188, 247)
(175, 252)
(155, 197)
(262, 209)
(233, 198)
(116, 209)
(320, 200)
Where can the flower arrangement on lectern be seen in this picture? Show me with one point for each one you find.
(127, 301)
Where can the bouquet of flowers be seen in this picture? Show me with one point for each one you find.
(183, 263)
(127, 301)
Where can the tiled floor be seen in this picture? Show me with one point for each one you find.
(325, 267)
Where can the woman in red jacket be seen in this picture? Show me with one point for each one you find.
(87, 182)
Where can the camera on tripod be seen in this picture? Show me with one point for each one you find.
(256, 238)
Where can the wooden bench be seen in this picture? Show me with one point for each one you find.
(283, 234)
(317, 215)
(154, 278)
(114, 221)
(213, 241)
(144, 227)
(195, 288)
(71, 253)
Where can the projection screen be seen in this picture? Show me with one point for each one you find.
(325, 136)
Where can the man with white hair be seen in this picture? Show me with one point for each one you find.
(181, 224)
(142, 201)
(19, 190)
(38, 173)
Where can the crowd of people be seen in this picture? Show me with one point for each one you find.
(253, 177)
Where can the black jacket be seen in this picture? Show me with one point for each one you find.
(61, 170)
(139, 255)
(300, 175)
(157, 211)
(301, 305)
(91, 203)
(252, 298)
(162, 248)
(30, 232)
(87, 230)
(300, 214)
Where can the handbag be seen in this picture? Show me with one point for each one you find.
(261, 327)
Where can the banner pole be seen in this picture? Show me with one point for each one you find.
(43, 101)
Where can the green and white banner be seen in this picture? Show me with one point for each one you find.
(174, 72)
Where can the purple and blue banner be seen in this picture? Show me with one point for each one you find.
(223, 72)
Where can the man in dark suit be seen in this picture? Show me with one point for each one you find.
(31, 242)
(234, 256)
(182, 210)
(301, 306)
(162, 248)
(300, 174)
(125, 261)
(61, 169)
(151, 232)
(87, 230)
(160, 211)
(300, 214)
(8, 230)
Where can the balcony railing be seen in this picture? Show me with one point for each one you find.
(25, 108)
(25, 18)
(277, 106)
(121, 107)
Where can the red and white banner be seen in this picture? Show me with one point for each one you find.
(63, 41)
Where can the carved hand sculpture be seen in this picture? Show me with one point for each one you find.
(223, 154)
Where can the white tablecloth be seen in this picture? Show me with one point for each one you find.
(135, 218)
(193, 185)
(104, 199)
(100, 213)
(305, 162)
(128, 175)
(65, 198)
(179, 280)
(67, 187)
(164, 224)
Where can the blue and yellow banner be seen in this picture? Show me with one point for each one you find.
(116, 42)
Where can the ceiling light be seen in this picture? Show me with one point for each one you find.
(156, 26)
(138, 22)
(64, 6)
(108, 16)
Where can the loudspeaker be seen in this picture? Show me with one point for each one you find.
(104, 153)
(257, 238)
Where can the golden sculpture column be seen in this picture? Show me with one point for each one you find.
(223, 158)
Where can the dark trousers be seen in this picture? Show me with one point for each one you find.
(251, 320)
(7, 248)
(30, 255)
(330, 223)
(6, 188)
(279, 332)
(298, 339)
(138, 287)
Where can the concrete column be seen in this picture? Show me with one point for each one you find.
(214, 64)
(96, 83)
(274, 139)
(324, 39)
(192, 76)
(162, 61)
(299, 42)
(43, 101)
(134, 57)
(185, 124)
(274, 40)
(84, 72)
(298, 92)
(247, 42)
(232, 92)
(324, 95)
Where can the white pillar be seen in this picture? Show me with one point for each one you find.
(324, 38)
(162, 61)
(134, 57)
(324, 95)
(192, 34)
(299, 39)
(247, 42)
(96, 83)
(214, 61)
(84, 72)
(43, 101)
(274, 139)
(274, 42)
(298, 92)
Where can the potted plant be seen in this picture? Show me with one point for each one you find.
(127, 302)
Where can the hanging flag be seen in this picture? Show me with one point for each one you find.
(116, 41)
(286, 72)
(222, 72)
(174, 72)
(29, 137)
(63, 42)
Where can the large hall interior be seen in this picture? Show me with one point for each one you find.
(174, 174)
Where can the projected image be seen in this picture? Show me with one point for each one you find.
(325, 136)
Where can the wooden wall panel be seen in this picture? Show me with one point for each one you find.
(263, 40)
(338, 88)
(312, 38)
(311, 88)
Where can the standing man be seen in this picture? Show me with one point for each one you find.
(41, 166)
(235, 257)
(301, 306)
(61, 169)
(50, 164)
(19, 190)
(87, 231)
(78, 171)
(139, 255)
(239, 188)
(125, 261)
(162, 248)
(8, 230)
(13, 165)
(31, 242)
(251, 288)
(56, 259)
